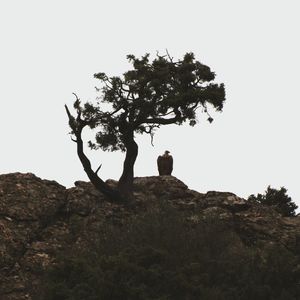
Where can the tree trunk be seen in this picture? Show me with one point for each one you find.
(125, 185)
(98, 183)
(77, 126)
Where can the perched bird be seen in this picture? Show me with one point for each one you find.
(165, 164)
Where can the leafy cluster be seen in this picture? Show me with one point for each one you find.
(278, 199)
(151, 94)
(162, 256)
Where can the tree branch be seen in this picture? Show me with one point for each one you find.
(103, 187)
(162, 121)
(150, 130)
(168, 113)
(112, 113)
(77, 99)
(68, 113)
(98, 169)
(170, 58)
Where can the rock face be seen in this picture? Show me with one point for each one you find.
(39, 217)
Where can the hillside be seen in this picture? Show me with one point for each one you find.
(41, 220)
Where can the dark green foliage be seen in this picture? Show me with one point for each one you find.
(161, 255)
(277, 199)
(149, 95)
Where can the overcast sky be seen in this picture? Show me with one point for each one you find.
(50, 49)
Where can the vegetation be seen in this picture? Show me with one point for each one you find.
(278, 199)
(164, 255)
(152, 94)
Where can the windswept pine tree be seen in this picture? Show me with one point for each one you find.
(151, 94)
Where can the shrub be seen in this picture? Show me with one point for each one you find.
(162, 255)
(278, 199)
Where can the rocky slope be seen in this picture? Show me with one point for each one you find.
(40, 217)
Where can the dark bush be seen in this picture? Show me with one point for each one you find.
(278, 199)
(162, 255)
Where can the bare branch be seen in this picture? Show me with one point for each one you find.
(76, 124)
(123, 89)
(68, 112)
(98, 169)
(73, 140)
(107, 85)
(168, 113)
(109, 80)
(162, 121)
(77, 99)
(118, 109)
(159, 56)
(170, 58)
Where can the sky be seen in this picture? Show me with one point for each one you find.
(50, 49)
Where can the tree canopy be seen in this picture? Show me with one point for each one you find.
(151, 94)
(279, 199)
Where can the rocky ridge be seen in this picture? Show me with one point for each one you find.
(40, 217)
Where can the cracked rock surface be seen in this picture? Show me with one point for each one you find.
(40, 217)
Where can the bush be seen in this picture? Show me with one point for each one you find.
(163, 256)
(278, 199)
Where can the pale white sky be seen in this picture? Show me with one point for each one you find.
(50, 49)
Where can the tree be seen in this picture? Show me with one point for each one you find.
(278, 199)
(151, 94)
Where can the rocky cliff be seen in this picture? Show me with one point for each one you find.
(40, 217)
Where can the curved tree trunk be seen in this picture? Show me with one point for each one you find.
(125, 185)
(124, 192)
(98, 183)
(112, 194)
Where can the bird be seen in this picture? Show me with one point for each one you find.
(165, 164)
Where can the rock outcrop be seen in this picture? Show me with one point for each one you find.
(40, 217)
